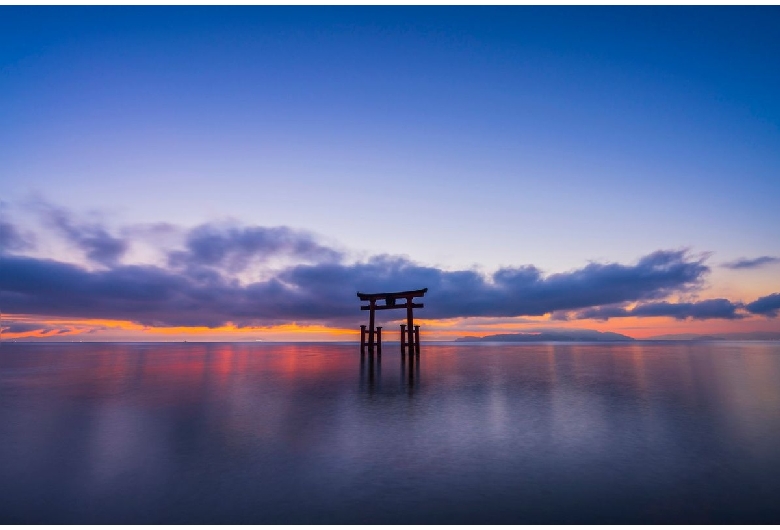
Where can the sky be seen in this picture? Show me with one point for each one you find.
(237, 173)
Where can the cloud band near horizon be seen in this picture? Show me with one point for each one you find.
(205, 282)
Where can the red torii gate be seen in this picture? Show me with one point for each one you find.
(391, 302)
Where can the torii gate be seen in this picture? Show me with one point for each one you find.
(412, 331)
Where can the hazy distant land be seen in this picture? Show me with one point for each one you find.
(567, 335)
(590, 335)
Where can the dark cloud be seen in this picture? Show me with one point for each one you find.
(147, 295)
(311, 282)
(325, 292)
(521, 291)
(767, 305)
(234, 248)
(702, 310)
(745, 263)
(598, 313)
(98, 245)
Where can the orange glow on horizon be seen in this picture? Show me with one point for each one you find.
(52, 328)
(97, 329)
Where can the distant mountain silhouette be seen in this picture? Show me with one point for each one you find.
(755, 335)
(550, 335)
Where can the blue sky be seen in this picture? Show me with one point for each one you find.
(463, 138)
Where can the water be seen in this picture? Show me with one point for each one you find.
(305, 433)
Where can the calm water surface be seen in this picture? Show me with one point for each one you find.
(306, 433)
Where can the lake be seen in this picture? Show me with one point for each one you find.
(637, 432)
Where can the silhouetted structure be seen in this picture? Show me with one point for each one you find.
(410, 334)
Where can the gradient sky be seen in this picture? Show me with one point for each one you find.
(455, 142)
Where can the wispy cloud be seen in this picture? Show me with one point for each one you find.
(92, 238)
(754, 263)
(234, 248)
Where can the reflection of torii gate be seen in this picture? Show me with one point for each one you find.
(390, 299)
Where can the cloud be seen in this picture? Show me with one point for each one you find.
(98, 245)
(766, 305)
(33, 328)
(745, 263)
(234, 248)
(509, 292)
(208, 280)
(325, 292)
(144, 294)
(23, 327)
(597, 313)
(702, 310)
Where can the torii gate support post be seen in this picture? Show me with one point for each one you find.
(363, 339)
(379, 341)
(372, 305)
(409, 323)
(403, 340)
(417, 340)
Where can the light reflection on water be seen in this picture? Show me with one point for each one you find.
(310, 433)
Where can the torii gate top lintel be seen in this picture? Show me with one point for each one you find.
(400, 294)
